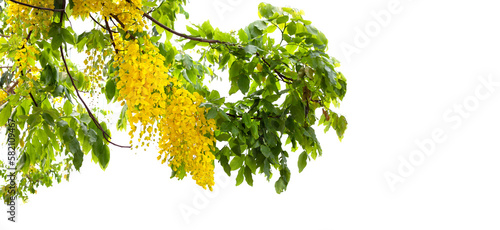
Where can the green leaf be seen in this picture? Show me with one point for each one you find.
(104, 157)
(282, 19)
(69, 138)
(187, 61)
(250, 162)
(244, 83)
(208, 29)
(266, 10)
(298, 113)
(189, 45)
(57, 41)
(49, 75)
(248, 176)
(239, 178)
(280, 185)
(266, 151)
(92, 136)
(235, 70)
(341, 127)
(236, 163)
(212, 113)
(250, 49)
(67, 36)
(243, 36)
(67, 108)
(223, 137)
(247, 120)
(302, 161)
(149, 4)
(78, 159)
(110, 89)
(266, 169)
(192, 31)
(5, 114)
(48, 119)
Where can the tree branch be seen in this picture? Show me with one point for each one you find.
(100, 24)
(33, 98)
(104, 134)
(280, 75)
(184, 35)
(118, 20)
(111, 35)
(63, 12)
(37, 7)
(255, 118)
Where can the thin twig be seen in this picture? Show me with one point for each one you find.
(33, 98)
(255, 118)
(37, 7)
(100, 24)
(211, 41)
(104, 134)
(280, 75)
(111, 19)
(118, 20)
(63, 12)
(184, 35)
(4, 36)
(111, 35)
(11, 89)
(6, 67)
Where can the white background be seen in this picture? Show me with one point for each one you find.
(422, 65)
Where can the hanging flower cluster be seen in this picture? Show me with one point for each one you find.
(126, 11)
(160, 109)
(159, 104)
(3, 96)
(36, 21)
(184, 141)
(25, 61)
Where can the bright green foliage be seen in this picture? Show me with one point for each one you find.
(278, 63)
(284, 82)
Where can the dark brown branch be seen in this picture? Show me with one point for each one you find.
(22, 74)
(254, 118)
(104, 134)
(33, 98)
(64, 12)
(93, 19)
(5, 67)
(10, 90)
(113, 21)
(211, 41)
(280, 75)
(4, 36)
(118, 20)
(111, 35)
(184, 35)
(37, 7)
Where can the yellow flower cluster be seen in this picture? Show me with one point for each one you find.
(25, 60)
(94, 67)
(127, 11)
(184, 141)
(159, 104)
(3, 96)
(142, 79)
(35, 20)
